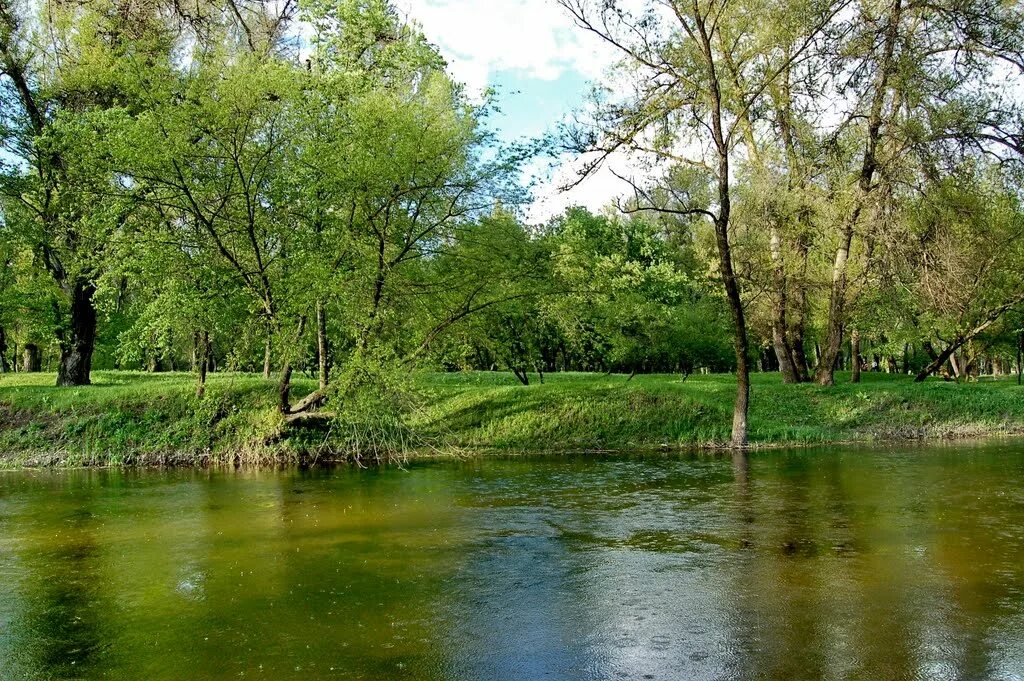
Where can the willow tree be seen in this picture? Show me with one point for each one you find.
(390, 170)
(694, 77)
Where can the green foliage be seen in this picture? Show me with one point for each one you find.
(373, 404)
(184, 174)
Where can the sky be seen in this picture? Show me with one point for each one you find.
(541, 65)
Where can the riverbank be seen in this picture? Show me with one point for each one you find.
(129, 418)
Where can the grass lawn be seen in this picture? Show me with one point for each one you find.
(128, 418)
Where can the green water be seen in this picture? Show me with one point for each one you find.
(852, 564)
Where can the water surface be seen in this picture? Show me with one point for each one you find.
(841, 564)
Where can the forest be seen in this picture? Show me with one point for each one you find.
(816, 189)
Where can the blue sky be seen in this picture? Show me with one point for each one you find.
(530, 106)
(539, 61)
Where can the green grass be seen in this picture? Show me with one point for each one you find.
(129, 418)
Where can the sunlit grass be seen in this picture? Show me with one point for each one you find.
(134, 417)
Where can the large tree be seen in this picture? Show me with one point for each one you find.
(696, 75)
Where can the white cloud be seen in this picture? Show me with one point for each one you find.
(539, 40)
(534, 37)
(596, 192)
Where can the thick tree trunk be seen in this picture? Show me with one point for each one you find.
(78, 340)
(800, 357)
(939, 360)
(204, 362)
(4, 366)
(795, 335)
(521, 374)
(971, 362)
(284, 387)
(740, 346)
(836, 307)
(855, 356)
(929, 350)
(323, 349)
(31, 358)
(783, 351)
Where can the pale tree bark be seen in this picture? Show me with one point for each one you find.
(789, 341)
(694, 87)
(31, 358)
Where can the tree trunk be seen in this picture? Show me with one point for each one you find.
(284, 387)
(800, 355)
(740, 346)
(323, 350)
(4, 366)
(865, 184)
(955, 365)
(939, 360)
(79, 338)
(855, 356)
(204, 362)
(971, 362)
(836, 307)
(31, 358)
(521, 374)
(783, 351)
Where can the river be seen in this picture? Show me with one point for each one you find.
(857, 563)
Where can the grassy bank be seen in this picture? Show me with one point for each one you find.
(130, 418)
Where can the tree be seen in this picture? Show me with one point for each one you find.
(918, 80)
(56, 189)
(698, 83)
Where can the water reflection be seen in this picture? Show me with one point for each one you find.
(843, 564)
